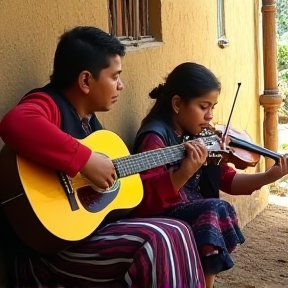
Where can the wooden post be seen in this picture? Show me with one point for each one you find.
(271, 98)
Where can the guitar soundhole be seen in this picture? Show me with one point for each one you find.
(94, 201)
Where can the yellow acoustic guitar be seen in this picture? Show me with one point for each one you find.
(51, 211)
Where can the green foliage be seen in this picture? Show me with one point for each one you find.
(282, 53)
(282, 57)
(284, 146)
(282, 16)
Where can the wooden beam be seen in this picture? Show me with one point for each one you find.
(271, 98)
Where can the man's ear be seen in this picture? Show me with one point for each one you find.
(175, 102)
(84, 81)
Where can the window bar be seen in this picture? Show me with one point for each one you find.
(143, 13)
(125, 19)
(136, 33)
(110, 19)
(112, 9)
(147, 17)
(130, 18)
(119, 7)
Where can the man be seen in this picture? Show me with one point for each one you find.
(146, 253)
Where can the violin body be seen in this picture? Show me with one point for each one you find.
(240, 157)
(238, 148)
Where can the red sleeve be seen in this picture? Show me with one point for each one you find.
(227, 175)
(159, 192)
(32, 129)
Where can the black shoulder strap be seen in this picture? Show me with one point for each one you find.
(158, 127)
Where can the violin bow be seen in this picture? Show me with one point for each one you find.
(229, 119)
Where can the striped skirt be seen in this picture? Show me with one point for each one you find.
(143, 253)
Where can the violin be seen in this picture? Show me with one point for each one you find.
(236, 148)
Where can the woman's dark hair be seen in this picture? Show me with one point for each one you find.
(83, 48)
(188, 81)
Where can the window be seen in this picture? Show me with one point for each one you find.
(222, 39)
(129, 21)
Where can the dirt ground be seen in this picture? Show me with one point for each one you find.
(262, 261)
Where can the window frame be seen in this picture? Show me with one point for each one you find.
(127, 29)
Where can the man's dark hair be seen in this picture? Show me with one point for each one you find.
(83, 48)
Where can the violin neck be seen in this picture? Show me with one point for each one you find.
(239, 143)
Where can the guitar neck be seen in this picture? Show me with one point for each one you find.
(137, 163)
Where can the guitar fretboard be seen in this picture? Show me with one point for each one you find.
(137, 163)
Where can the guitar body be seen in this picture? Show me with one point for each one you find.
(48, 210)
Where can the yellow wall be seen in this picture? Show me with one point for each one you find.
(29, 32)
(28, 38)
(190, 34)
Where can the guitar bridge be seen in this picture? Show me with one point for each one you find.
(68, 189)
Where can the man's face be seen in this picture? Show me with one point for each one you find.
(104, 91)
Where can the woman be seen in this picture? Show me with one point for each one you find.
(189, 190)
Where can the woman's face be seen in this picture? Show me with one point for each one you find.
(192, 116)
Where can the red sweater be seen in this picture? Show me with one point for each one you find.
(32, 129)
(159, 193)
